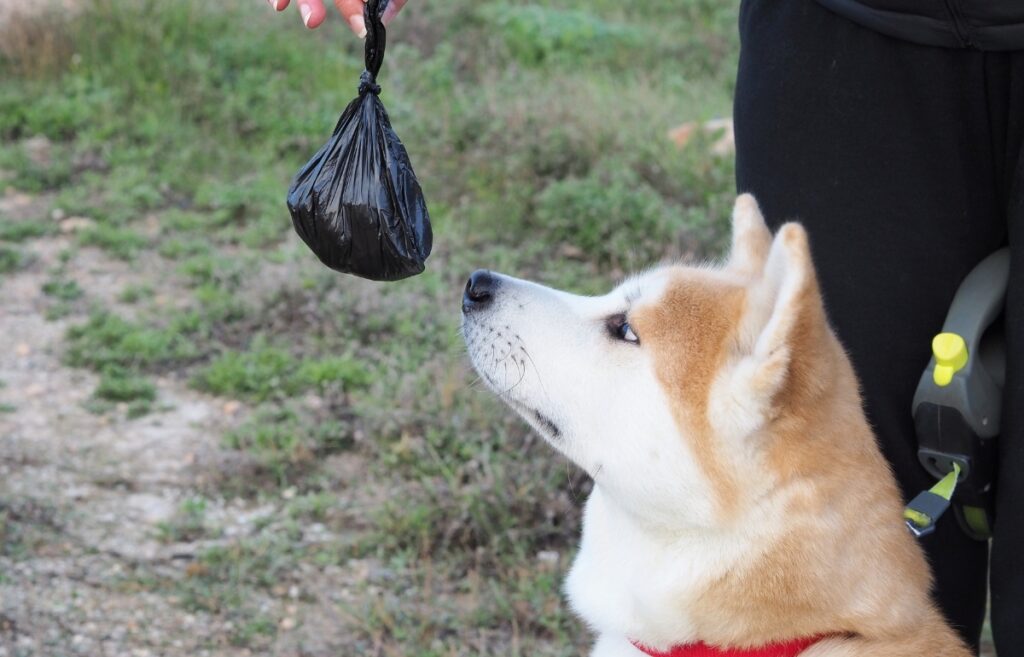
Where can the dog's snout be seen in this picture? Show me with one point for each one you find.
(480, 289)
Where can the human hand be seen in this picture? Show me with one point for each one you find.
(313, 12)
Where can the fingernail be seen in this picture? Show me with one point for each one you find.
(306, 13)
(358, 25)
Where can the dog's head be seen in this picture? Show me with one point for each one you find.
(671, 389)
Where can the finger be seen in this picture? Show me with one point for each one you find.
(312, 12)
(352, 11)
(391, 10)
(278, 5)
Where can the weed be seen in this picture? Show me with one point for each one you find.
(62, 289)
(119, 384)
(261, 562)
(253, 630)
(177, 248)
(344, 370)
(188, 523)
(255, 374)
(613, 217)
(19, 231)
(136, 292)
(266, 371)
(11, 259)
(285, 442)
(108, 340)
(312, 506)
(535, 34)
(121, 242)
(138, 408)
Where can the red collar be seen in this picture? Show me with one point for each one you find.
(701, 649)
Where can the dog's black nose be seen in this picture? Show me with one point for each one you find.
(479, 290)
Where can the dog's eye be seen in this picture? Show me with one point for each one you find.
(620, 329)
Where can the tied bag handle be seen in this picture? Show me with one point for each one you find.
(376, 40)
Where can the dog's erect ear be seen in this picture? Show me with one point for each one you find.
(786, 311)
(751, 240)
(782, 338)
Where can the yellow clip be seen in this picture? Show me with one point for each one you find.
(950, 357)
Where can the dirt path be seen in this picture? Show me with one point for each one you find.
(85, 498)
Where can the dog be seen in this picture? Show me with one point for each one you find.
(741, 505)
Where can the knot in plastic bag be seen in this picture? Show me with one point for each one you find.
(367, 84)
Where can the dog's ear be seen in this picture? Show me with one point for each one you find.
(785, 313)
(783, 340)
(751, 240)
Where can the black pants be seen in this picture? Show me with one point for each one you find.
(904, 163)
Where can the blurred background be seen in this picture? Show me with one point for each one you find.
(210, 444)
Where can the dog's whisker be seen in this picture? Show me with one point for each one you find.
(522, 375)
(536, 371)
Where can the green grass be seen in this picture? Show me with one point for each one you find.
(62, 289)
(121, 385)
(108, 340)
(135, 292)
(188, 523)
(538, 134)
(11, 259)
(121, 242)
(286, 444)
(63, 294)
(266, 371)
(19, 231)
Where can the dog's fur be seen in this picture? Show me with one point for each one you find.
(739, 495)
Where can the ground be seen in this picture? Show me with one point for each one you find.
(212, 445)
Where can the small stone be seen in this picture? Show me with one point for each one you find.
(287, 624)
(57, 214)
(293, 592)
(34, 390)
(231, 407)
(548, 557)
(23, 349)
(288, 493)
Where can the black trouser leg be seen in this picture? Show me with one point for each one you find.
(1007, 571)
(885, 151)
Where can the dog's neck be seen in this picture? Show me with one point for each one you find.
(747, 585)
(633, 580)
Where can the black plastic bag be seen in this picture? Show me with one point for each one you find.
(357, 203)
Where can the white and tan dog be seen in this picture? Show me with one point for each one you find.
(741, 505)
